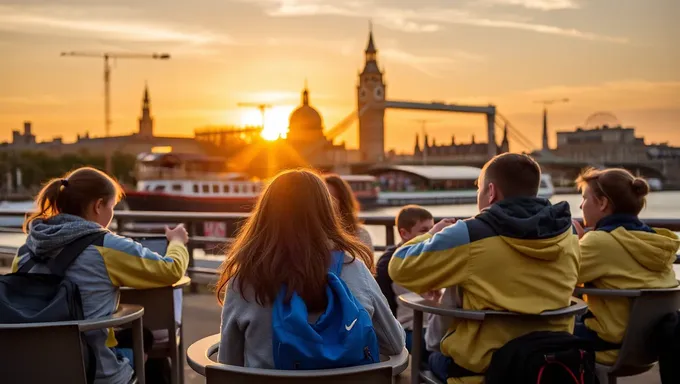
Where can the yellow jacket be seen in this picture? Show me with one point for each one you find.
(623, 253)
(519, 255)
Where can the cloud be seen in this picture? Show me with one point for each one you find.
(429, 19)
(429, 65)
(51, 20)
(543, 5)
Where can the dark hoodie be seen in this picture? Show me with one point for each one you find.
(519, 255)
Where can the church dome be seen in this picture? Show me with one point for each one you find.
(305, 122)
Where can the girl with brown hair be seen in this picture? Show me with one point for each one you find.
(287, 241)
(79, 205)
(348, 208)
(618, 252)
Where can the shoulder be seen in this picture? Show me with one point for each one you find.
(478, 230)
(363, 235)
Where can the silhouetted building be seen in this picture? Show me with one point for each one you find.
(141, 141)
(601, 145)
(371, 106)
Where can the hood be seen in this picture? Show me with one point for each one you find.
(47, 237)
(532, 226)
(654, 249)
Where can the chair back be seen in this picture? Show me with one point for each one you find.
(220, 374)
(42, 354)
(158, 303)
(647, 310)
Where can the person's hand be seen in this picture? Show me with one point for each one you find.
(579, 229)
(179, 233)
(434, 295)
(441, 225)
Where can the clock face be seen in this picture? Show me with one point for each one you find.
(378, 93)
(363, 93)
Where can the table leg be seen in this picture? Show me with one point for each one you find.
(138, 345)
(416, 346)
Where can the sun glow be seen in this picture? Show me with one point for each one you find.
(275, 121)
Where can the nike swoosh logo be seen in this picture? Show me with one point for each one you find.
(349, 327)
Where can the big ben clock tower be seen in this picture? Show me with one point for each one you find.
(371, 96)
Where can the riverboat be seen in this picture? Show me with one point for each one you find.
(435, 185)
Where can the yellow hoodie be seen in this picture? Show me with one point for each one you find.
(623, 253)
(519, 255)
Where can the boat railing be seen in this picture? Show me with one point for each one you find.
(140, 223)
(183, 174)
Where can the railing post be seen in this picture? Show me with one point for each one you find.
(193, 288)
(389, 235)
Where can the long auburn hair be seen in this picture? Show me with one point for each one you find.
(347, 204)
(288, 239)
(73, 193)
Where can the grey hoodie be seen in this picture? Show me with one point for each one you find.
(247, 327)
(99, 271)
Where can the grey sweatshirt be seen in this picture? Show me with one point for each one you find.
(99, 271)
(247, 327)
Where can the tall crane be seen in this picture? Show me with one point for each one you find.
(262, 107)
(545, 103)
(107, 81)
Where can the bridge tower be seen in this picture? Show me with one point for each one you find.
(371, 92)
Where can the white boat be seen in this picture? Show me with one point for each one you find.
(435, 185)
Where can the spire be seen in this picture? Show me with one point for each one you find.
(145, 120)
(305, 94)
(453, 140)
(416, 149)
(505, 133)
(545, 130)
(370, 48)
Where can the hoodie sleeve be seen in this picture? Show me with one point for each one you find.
(130, 264)
(594, 262)
(433, 262)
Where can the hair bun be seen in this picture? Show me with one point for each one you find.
(640, 187)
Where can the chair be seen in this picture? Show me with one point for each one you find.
(648, 306)
(199, 353)
(52, 352)
(419, 305)
(160, 315)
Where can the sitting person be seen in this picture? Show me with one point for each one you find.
(411, 221)
(348, 208)
(81, 204)
(518, 254)
(620, 252)
(288, 240)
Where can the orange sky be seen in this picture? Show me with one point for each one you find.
(619, 56)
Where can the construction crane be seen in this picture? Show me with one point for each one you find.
(262, 107)
(107, 81)
(553, 101)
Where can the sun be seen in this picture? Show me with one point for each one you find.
(275, 121)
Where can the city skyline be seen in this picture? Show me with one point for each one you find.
(617, 56)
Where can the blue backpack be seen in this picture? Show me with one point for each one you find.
(342, 337)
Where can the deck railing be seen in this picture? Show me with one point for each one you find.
(140, 223)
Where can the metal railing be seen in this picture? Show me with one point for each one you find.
(140, 223)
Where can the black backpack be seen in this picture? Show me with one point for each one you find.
(44, 298)
(543, 357)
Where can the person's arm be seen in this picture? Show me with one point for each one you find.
(430, 262)
(594, 263)
(130, 264)
(232, 342)
(391, 336)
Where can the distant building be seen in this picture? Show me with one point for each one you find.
(474, 152)
(141, 141)
(601, 145)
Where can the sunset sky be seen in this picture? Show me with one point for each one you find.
(620, 56)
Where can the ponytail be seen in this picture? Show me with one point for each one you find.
(73, 193)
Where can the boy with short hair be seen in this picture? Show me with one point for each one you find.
(519, 254)
(411, 221)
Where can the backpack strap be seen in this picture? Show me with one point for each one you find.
(337, 261)
(65, 258)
